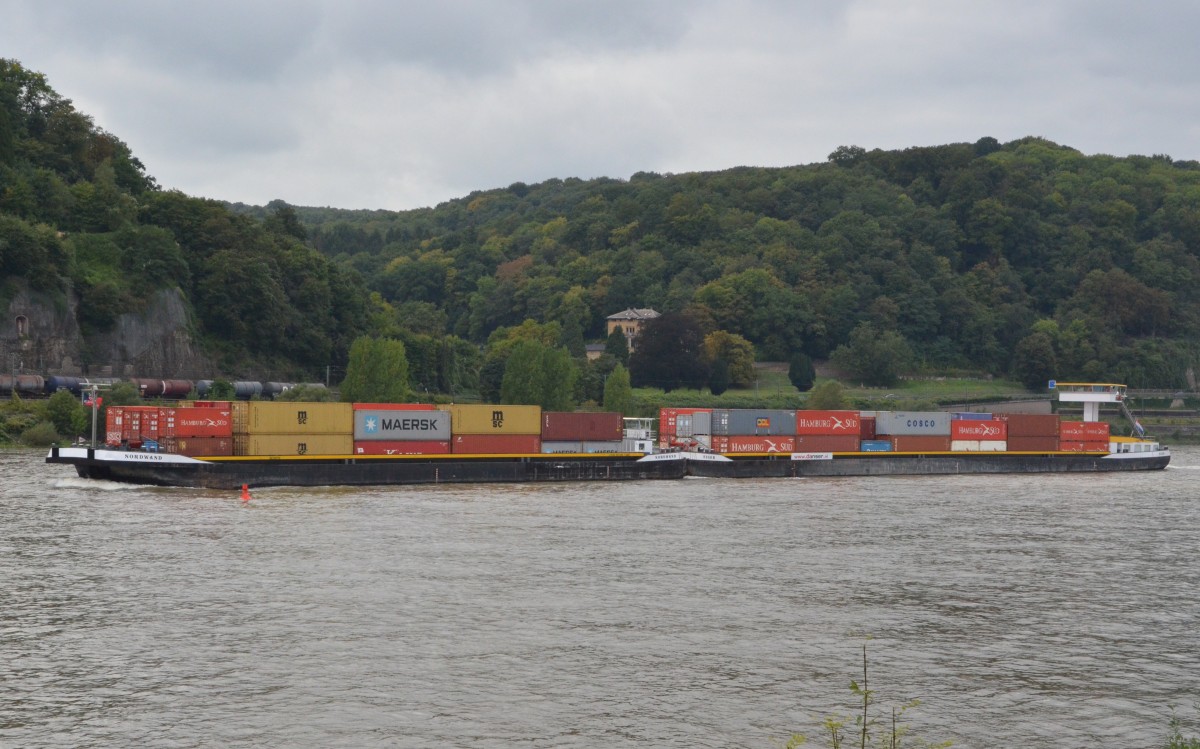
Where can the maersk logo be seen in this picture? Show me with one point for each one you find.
(373, 425)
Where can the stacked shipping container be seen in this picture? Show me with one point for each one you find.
(292, 428)
(400, 429)
(1083, 436)
(581, 432)
(1031, 432)
(495, 429)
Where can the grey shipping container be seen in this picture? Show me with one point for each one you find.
(404, 426)
(913, 423)
(749, 421)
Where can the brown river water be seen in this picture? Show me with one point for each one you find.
(1024, 611)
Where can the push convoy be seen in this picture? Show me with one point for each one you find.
(227, 444)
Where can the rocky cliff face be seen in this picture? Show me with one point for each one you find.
(39, 335)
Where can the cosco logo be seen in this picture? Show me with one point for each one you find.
(921, 423)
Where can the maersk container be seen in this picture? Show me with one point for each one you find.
(913, 423)
(392, 425)
(562, 446)
(604, 446)
(298, 417)
(496, 444)
(582, 425)
(875, 446)
(967, 429)
(747, 421)
(408, 447)
(486, 419)
(293, 444)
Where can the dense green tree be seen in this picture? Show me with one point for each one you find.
(735, 351)
(801, 372)
(377, 372)
(618, 392)
(537, 374)
(67, 414)
(669, 354)
(718, 376)
(874, 357)
(828, 395)
(617, 346)
(1034, 363)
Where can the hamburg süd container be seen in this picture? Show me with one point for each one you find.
(495, 419)
(913, 443)
(1077, 446)
(293, 444)
(298, 417)
(195, 422)
(1030, 425)
(747, 421)
(402, 447)
(971, 429)
(196, 446)
(582, 425)
(396, 425)
(827, 443)
(913, 423)
(829, 423)
(1084, 431)
(496, 444)
(754, 444)
(978, 446)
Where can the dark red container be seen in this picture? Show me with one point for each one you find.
(565, 426)
(1032, 444)
(913, 443)
(977, 429)
(1030, 425)
(825, 443)
(493, 444)
(196, 446)
(866, 427)
(397, 447)
(1083, 447)
(212, 404)
(394, 407)
(195, 422)
(1084, 431)
(753, 444)
(828, 423)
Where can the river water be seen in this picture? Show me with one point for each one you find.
(1024, 611)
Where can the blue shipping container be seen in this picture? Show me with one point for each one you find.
(875, 446)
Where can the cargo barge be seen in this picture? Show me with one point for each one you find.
(225, 445)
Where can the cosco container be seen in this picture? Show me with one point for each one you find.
(497, 420)
(961, 429)
(298, 417)
(1031, 444)
(293, 444)
(196, 446)
(828, 422)
(496, 444)
(407, 447)
(913, 423)
(1030, 425)
(395, 425)
(875, 446)
(195, 422)
(747, 421)
(1075, 446)
(1084, 431)
(824, 443)
(582, 426)
(753, 444)
(918, 443)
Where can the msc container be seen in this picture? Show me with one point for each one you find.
(920, 443)
(668, 418)
(583, 426)
(406, 425)
(748, 421)
(875, 446)
(263, 443)
(498, 420)
(754, 444)
(1031, 444)
(1031, 425)
(1084, 431)
(827, 443)
(1078, 446)
(409, 447)
(496, 444)
(866, 427)
(393, 406)
(195, 422)
(913, 423)
(966, 429)
(298, 417)
(196, 446)
(828, 422)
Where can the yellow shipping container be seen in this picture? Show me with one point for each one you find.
(488, 419)
(239, 412)
(297, 417)
(293, 444)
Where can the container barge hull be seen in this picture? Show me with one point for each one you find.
(784, 466)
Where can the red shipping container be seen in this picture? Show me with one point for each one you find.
(492, 444)
(1030, 425)
(1082, 447)
(196, 446)
(401, 447)
(394, 407)
(567, 426)
(195, 422)
(912, 443)
(978, 430)
(114, 421)
(212, 404)
(1032, 444)
(828, 423)
(1084, 431)
(826, 443)
(753, 444)
(666, 418)
(866, 428)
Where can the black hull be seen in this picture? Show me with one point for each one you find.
(923, 465)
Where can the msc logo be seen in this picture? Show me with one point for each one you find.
(302, 417)
(497, 419)
(302, 448)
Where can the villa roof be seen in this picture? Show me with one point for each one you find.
(635, 314)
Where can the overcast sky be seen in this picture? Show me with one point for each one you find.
(401, 104)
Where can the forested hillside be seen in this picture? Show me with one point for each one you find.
(1025, 259)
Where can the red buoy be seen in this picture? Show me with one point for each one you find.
(245, 492)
